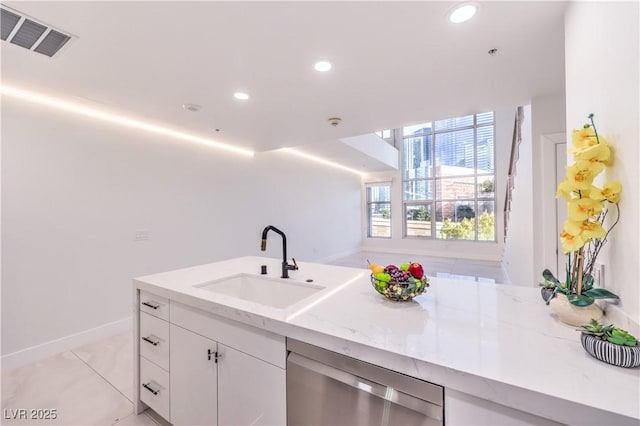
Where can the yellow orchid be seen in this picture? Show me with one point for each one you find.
(570, 242)
(610, 192)
(581, 174)
(586, 137)
(586, 230)
(580, 209)
(583, 233)
(581, 138)
(567, 189)
(595, 153)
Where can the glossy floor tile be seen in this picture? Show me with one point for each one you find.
(89, 385)
(137, 420)
(61, 390)
(112, 358)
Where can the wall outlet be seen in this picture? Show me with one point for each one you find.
(598, 274)
(141, 235)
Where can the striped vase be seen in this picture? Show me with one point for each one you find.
(622, 356)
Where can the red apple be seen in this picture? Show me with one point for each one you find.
(416, 270)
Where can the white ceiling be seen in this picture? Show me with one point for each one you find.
(395, 63)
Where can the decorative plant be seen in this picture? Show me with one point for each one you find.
(583, 234)
(609, 333)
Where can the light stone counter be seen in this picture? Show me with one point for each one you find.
(497, 342)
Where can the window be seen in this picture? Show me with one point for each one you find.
(379, 211)
(448, 178)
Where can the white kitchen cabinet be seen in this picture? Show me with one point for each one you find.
(464, 409)
(194, 378)
(251, 384)
(196, 368)
(251, 391)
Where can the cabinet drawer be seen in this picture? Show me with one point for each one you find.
(154, 340)
(154, 388)
(154, 305)
(259, 343)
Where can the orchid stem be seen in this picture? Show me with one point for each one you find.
(594, 127)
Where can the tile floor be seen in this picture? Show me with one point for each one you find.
(93, 384)
(89, 385)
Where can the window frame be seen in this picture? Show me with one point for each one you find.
(435, 181)
(369, 204)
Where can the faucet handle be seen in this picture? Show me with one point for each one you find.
(295, 264)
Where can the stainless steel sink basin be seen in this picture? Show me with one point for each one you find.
(274, 292)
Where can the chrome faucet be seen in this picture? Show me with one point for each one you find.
(285, 266)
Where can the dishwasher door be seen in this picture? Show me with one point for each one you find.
(326, 388)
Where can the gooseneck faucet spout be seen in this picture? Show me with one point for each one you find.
(285, 266)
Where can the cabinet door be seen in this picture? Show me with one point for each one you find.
(193, 376)
(464, 409)
(251, 391)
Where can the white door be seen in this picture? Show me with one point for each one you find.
(251, 391)
(193, 374)
(561, 208)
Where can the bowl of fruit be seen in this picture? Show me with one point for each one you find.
(399, 283)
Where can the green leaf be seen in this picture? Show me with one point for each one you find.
(579, 299)
(549, 277)
(587, 282)
(617, 340)
(600, 293)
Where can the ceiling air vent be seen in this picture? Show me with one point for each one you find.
(26, 32)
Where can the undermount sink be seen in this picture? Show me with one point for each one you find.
(274, 292)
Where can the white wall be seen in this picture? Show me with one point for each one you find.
(548, 118)
(75, 191)
(504, 119)
(530, 232)
(602, 45)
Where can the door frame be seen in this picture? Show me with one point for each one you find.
(551, 252)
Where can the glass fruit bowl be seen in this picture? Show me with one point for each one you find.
(401, 291)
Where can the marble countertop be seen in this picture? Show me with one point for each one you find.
(496, 342)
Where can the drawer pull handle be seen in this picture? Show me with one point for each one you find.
(150, 340)
(152, 305)
(150, 389)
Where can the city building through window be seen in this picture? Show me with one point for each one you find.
(379, 211)
(448, 176)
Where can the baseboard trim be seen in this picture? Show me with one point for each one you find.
(36, 353)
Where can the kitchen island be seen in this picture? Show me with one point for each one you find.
(495, 349)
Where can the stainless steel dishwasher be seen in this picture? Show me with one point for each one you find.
(326, 388)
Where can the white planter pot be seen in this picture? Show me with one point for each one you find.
(574, 315)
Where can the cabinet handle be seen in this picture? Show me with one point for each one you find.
(150, 340)
(152, 305)
(150, 389)
(215, 354)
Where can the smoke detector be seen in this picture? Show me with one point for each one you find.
(192, 107)
(334, 121)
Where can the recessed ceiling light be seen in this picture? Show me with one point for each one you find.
(322, 66)
(463, 13)
(241, 95)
